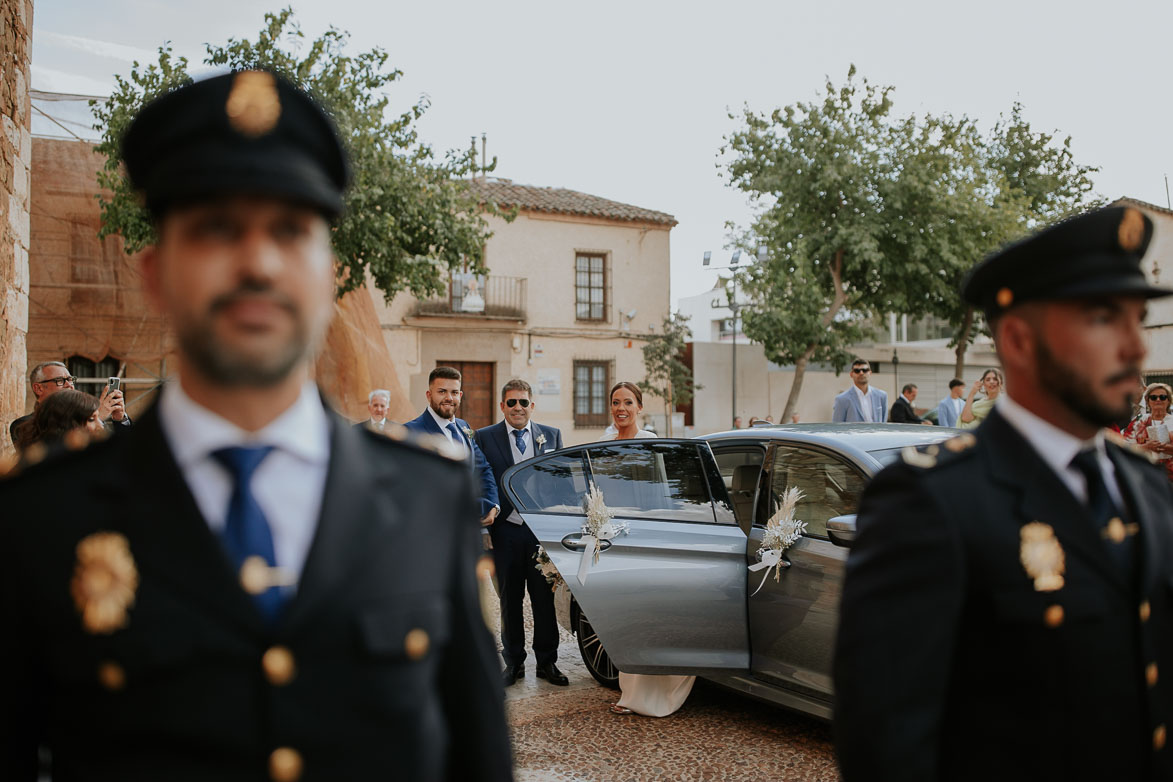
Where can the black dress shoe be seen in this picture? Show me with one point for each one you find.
(551, 674)
(511, 674)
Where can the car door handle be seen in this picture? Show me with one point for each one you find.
(573, 541)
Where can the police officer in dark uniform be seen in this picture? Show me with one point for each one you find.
(243, 587)
(1006, 610)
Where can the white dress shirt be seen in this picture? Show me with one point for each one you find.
(518, 456)
(288, 485)
(865, 403)
(443, 424)
(1057, 448)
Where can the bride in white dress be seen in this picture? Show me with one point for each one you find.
(651, 696)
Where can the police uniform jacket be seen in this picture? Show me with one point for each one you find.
(950, 663)
(380, 666)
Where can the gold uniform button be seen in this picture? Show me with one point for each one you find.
(416, 644)
(1146, 611)
(1150, 674)
(285, 765)
(278, 665)
(1053, 616)
(1159, 738)
(112, 676)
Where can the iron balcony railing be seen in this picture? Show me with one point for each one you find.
(479, 296)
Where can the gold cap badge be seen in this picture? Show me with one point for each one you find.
(1005, 297)
(1042, 557)
(253, 105)
(104, 582)
(1131, 231)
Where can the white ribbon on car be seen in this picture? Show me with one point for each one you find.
(770, 558)
(590, 553)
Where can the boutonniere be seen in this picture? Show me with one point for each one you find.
(104, 582)
(468, 432)
(540, 439)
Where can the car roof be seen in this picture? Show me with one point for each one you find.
(859, 437)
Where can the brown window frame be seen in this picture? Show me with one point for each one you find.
(591, 420)
(604, 289)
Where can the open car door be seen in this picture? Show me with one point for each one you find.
(669, 596)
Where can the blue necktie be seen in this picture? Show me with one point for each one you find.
(247, 533)
(1104, 510)
(519, 435)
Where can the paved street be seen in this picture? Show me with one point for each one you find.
(567, 734)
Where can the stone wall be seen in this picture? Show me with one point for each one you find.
(16, 28)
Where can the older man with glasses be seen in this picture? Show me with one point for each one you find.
(49, 377)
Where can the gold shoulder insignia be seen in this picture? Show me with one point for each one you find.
(76, 439)
(104, 582)
(915, 458)
(962, 442)
(1042, 557)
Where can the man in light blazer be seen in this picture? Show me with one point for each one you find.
(860, 402)
(949, 409)
(439, 418)
(515, 547)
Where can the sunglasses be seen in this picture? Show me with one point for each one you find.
(516, 402)
(860, 370)
(1158, 397)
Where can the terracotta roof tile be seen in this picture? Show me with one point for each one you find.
(558, 200)
(1126, 201)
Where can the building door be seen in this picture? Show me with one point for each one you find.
(476, 406)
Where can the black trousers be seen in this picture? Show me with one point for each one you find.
(515, 555)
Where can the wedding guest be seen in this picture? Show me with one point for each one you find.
(58, 415)
(1157, 395)
(975, 411)
(649, 695)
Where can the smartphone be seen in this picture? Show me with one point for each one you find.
(113, 384)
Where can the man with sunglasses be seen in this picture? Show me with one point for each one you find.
(515, 547)
(860, 403)
(49, 377)
(1006, 610)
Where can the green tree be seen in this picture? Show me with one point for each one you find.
(668, 377)
(409, 217)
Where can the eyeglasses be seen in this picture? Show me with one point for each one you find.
(515, 402)
(59, 381)
(1158, 397)
(860, 370)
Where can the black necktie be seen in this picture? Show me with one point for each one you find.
(1117, 536)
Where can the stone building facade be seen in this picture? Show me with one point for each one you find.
(16, 29)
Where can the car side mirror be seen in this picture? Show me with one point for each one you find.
(841, 530)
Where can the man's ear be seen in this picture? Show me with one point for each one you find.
(1017, 341)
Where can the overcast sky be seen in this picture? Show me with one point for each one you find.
(629, 100)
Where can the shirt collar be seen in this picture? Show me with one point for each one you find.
(513, 430)
(194, 432)
(1054, 446)
(862, 393)
(440, 422)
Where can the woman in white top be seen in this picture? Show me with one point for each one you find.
(651, 696)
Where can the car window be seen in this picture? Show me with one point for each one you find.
(555, 484)
(652, 481)
(829, 485)
(740, 467)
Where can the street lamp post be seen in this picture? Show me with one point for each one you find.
(734, 308)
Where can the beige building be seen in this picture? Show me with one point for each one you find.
(575, 283)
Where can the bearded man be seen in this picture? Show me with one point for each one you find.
(1006, 611)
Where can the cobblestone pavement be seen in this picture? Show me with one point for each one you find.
(567, 734)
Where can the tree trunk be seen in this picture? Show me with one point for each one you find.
(668, 411)
(828, 317)
(963, 344)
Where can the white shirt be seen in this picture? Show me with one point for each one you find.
(865, 402)
(518, 456)
(1057, 448)
(443, 424)
(958, 405)
(288, 485)
(377, 424)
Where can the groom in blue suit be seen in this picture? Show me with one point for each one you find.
(440, 419)
(515, 547)
(860, 402)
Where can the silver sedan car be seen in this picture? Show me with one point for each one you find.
(675, 593)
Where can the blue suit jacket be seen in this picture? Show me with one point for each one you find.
(847, 409)
(482, 473)
(946, 413)
(494, 443)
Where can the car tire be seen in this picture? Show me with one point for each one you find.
(590, 648)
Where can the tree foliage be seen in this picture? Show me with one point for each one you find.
(866, 213)
(409, 218)
(668, 377)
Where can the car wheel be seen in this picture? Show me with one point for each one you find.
(594, 656)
